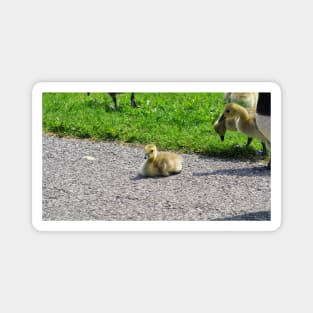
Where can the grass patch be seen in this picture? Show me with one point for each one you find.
(173, 121)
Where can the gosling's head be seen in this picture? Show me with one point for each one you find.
(220, 128)
(150, 152)
(230, 111)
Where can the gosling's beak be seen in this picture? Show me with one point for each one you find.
(147, 156)
(222, 138)
(222, 118)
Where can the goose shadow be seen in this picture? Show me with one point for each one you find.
(255, 216)
(245, 171)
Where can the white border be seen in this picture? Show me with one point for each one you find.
(276, 141)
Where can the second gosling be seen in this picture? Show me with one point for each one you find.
(245, 99)
(160, 163)
(222, 125)
(245, 123)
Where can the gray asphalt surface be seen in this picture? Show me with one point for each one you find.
(84, 180)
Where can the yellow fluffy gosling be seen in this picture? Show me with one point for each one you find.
(246, 99)
(160, 163)
(221, 126)
(245, 123)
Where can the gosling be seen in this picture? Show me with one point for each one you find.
(221, 126)
(245, 123)
(246, 99)
(160, 163)
(230, 124)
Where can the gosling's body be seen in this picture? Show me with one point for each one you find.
(245, 123)
(246, 99)
(160, 163)
(229, 124)
(221, 126)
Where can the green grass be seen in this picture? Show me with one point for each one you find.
(174, 121)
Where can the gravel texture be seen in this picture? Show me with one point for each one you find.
(85, 180)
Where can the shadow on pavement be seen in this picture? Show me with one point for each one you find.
(256, 171)
(256, 216)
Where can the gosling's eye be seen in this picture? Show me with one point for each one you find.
(227, 111)
(151, 150)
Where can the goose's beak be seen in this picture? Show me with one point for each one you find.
(222, 118)
(222, 138)
(147, 156)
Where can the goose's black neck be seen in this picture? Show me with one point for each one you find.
(264, 104)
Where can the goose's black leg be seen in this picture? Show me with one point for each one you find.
(133, 100)
(263, 148)
(269, 165)
(113, 96)
(249, 141)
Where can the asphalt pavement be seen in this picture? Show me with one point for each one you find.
(86, 180)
